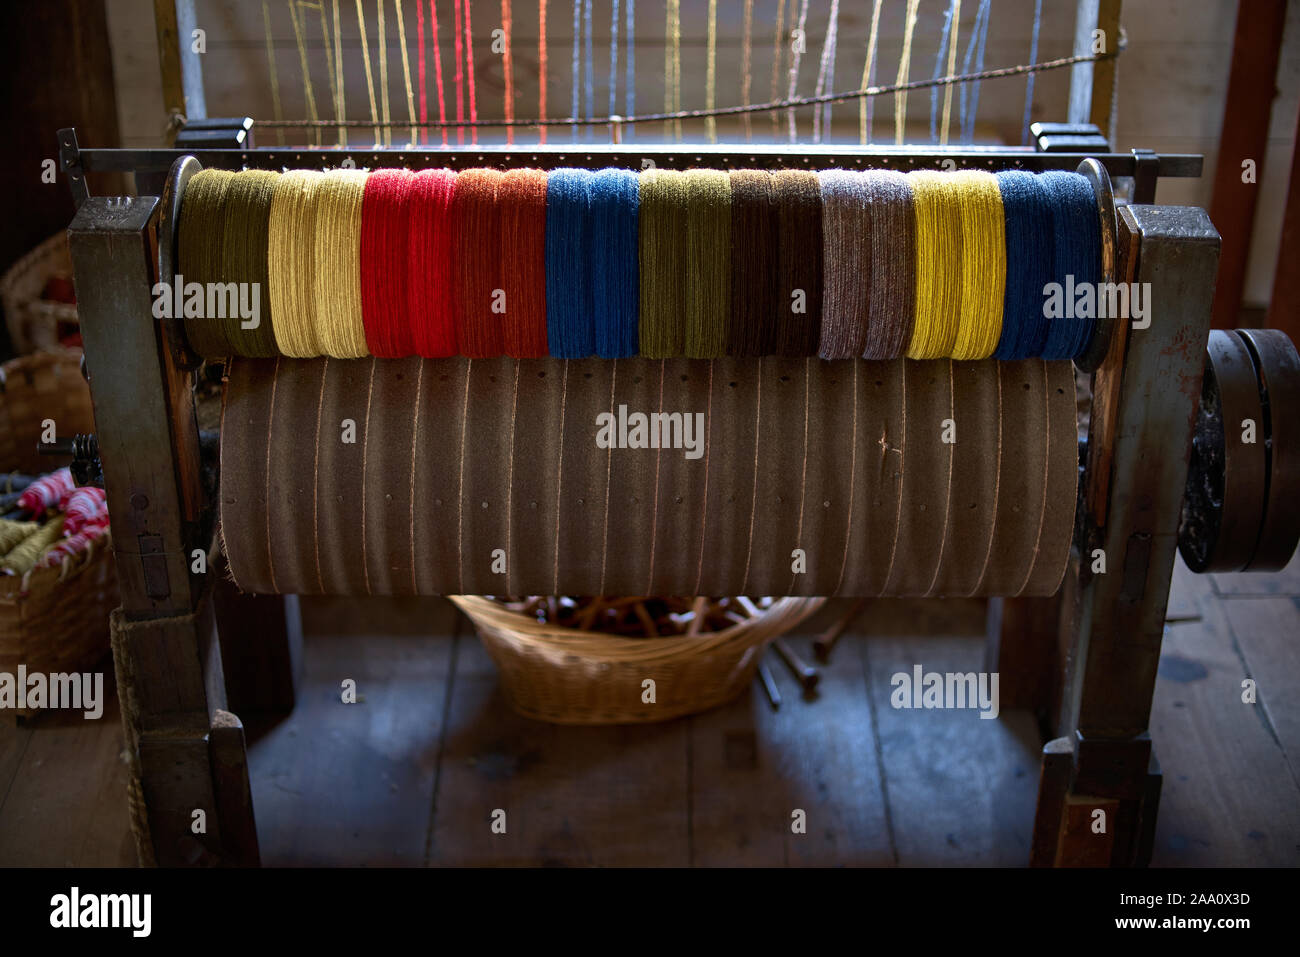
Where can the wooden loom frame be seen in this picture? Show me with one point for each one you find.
(188, 751)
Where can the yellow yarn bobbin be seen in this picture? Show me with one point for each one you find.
(337, 251)
(291, 263)
(983, 265)
(937, 204)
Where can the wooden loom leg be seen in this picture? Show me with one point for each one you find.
(1145, 397)
(168, 656)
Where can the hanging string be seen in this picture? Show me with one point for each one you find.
(970, 98)
(370, 76)
(437, 68)
(629, 89)
(458, 42)
(338, 73)
(866, 105)
(419, 55)
(406, 69)
(711, 73)
(952, 68)
(302, 58)
(613, 60)
(904, 66)
(541, 67)
(1029, 81)
(948, 44)
(576, 66)
(673, 64)
(385, 259)
(330, 72)
(590, 75)
(746, 65)
(383, 76)
(469, 67)
(796, 57)
(826, 72)
(507, 69)
(778, 51)
(275, 78)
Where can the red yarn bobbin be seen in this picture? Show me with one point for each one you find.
(385, 235)
(431, 289)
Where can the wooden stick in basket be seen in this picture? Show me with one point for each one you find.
(805, 673)
(825, 643)
(769, 686)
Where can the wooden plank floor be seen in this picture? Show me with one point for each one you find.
(413, 773)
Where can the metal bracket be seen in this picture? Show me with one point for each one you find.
(70, 163)
(1069, 138)
(1146, 174)
(219, 133)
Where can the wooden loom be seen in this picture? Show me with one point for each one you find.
(187, 750)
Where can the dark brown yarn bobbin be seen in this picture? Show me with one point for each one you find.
(755, 239)
(891, 302)
(799, 266)
(199, 254)
(244, 260)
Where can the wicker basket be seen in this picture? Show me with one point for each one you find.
(44, 385)
(568, 676)
(51, 619)
(56, 619)
(33, 321)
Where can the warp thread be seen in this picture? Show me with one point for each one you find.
(708, 263)
(337, 312)
(477, 251)
(247, 216)
(846, 269)
(1030, 257)
(664, 195)
(430, 299)
(385, 258)
(983, 266)
(1076, 231)
(799, 267)
(937, 200)
(198, 254)
(570, 325)
(522, 198)
(615, 276)
(291, 262)
(891, 303)
(755, 253)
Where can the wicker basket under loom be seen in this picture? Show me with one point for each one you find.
(52, 619)
(36, 291)
(570, 676)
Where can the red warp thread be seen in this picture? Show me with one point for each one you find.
(480, 293)
(431, 290)
(521, 199)
(384, 262)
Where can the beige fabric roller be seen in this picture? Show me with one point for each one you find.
(485, 476)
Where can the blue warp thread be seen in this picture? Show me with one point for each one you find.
(570, 330)
(612, 257)
(1076, 232)
(1027, 209)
